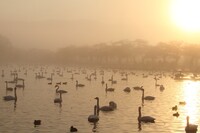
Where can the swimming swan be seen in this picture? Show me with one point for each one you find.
(144, 118)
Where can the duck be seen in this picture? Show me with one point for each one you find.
(145, 119)
(10, 98)
(94, 117)
(146, 97)
(190, 128)
(73, 129)
(37, 122)
(175, 108)
(182, 103)
(59, 91)
(176, 114)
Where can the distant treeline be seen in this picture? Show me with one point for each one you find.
(125, 54)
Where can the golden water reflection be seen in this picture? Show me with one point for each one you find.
(190, 96)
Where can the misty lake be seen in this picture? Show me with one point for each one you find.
(36, 100)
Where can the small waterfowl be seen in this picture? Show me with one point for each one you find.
(175, 108)
(73, 129)
(176, 114)
(37, 122)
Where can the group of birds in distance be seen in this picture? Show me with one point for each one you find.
(93, 118)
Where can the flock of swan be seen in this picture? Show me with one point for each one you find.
(112, 106)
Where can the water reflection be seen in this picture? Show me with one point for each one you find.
(190, 89)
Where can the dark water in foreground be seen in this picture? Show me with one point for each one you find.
(35, 101)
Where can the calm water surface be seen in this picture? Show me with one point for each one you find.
(35, 101)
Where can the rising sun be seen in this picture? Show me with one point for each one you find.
(186, 14)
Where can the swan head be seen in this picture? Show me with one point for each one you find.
(97, 98)
(141, 89)
(56, 85)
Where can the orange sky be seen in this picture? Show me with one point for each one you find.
(53, 24)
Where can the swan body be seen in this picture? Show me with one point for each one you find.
(109, 89)
(10, 98)
(145, 118)
(190, 128)
(113, 104)
(59, 91)
(127, 89)
(94, 117)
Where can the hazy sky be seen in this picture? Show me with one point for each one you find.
(53, 24)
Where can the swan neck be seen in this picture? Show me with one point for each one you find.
(15, 94)
(95, 110)
(60, 95)
(139, 111)
(188, 121)
(142, 94)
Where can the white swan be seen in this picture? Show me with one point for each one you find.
(190, 128)
(58, 100)
(94, 117)
(59, 91)
(146, 97)
(109, 89)
(103, 108)
(79, 85)
(9, 98)
(144, 118)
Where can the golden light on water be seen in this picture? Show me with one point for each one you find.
(190, 94)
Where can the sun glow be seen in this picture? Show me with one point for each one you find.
(186, 14)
